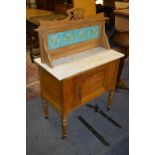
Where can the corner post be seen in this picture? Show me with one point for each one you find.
(45, 108)
(110, 96)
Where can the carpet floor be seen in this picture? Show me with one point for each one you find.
(32, 79)
(44, 135)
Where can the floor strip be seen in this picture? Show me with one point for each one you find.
(95, 133)
(110, 119)
(96, 109)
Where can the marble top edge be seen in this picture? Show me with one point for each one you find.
(98, 56)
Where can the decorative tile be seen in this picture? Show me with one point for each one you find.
(93, 32)
(54, 41)
(82, 34)
(70, 37)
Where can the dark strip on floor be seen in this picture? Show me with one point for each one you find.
(110, 119)
(96, 109)
(95, 133)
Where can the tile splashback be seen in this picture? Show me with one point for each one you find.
(70, 37)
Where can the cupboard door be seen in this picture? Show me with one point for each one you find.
(97, 81)
(91, 84)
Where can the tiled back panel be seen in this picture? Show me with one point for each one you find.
(66, 38)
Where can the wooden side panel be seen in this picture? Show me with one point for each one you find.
(112, 71)
(70, 94)
(104, 40)
(51, 89)
(43, 55)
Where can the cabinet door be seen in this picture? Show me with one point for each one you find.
(92, 84)
(84, 87)
(96, 81)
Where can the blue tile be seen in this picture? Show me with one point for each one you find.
(61, 39)
(82, 34)
(54, 41)
(68, 38)
(93, 32)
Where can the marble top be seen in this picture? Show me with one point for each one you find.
(77, 63)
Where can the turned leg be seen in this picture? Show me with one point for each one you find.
(121, 65)
(110, 96)
(45, 108)
(120, 84)
(64, 126)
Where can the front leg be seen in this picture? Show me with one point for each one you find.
(45, 108)
(110, 96)
(64, 121)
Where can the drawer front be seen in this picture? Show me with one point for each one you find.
(92, 84)
(97, 81)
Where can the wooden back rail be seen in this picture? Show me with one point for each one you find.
(73, 35)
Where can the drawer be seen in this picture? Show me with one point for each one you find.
(91, 84)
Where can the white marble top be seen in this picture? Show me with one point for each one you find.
(77, 63)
